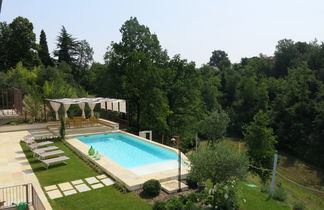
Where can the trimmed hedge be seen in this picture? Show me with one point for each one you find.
(152, 187)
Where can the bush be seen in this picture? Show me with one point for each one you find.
(159, 205)
(223, 195)
(192, 182)
(299, 206)
(279, 194)
(193, 197)
(152, 187)
(174, 204)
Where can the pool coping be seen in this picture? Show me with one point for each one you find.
(124, 175)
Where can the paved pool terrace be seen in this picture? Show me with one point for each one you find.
(133, 178)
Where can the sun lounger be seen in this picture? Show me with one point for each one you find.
(36, 145)
(47, 154)
(44, 149)
(47, 162)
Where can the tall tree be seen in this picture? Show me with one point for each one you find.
(260, 141)
(219, 59)
(66, 47)
(82, 63)
(134, 73)
(4, 48)
(43, 50)
(182, 84)
(21, 43)
(285, 55)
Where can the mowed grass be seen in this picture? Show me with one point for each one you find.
(252, 198)
(293, 169)
(102, 198)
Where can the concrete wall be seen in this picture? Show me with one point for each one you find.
(112, 124)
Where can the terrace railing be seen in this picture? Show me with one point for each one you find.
(10, 197)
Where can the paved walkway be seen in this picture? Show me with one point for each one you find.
(14, 167)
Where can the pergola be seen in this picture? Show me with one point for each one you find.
(118, 105)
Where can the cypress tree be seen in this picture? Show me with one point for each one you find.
(43, 51)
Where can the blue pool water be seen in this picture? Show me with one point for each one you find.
(128, 151)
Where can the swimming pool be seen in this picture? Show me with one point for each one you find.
(128, 151)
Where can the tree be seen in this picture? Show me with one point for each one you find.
(134, 72)
(66, 47)
(33, 105)
(18, 43)
(219, 164)
(43, 50)
(260, 141)
(83, 61)
(214, 126)
(285, 55)
(210, 89)
(22, 78)
(4, 48)
(219, 59)
(182, 83)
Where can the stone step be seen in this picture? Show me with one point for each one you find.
(172, 186)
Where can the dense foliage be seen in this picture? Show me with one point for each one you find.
(171, 95)
(260, 143)
(151, 187)
(218, 164)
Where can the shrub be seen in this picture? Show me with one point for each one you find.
(174, 204)
(152, 187)
(191, 206)
(192, 182)
(120, 187)
(279, 194)
(299, 206)
(159, 205)
(223, 195)
(193, 197)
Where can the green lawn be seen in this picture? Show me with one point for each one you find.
(103, 198)
(254, 199)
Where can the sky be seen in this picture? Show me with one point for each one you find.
(191, 28)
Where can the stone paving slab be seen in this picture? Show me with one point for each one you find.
(75, 182)
(69, 192)
(54, 194)
(65, 186)
(96, 186)
(102, 176)
(92, 180)
(82, 187)
(173, 186)
(49, 188)
(107, 181)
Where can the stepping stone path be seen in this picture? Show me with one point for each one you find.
(82, 187)
(69, 192)
(65, 186)
(92, 180)
(54, 194)
(107, 181)
(77, 186)
(95, 186)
